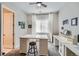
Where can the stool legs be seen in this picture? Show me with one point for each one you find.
(33, 50)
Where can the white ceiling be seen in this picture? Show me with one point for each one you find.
(51, 7)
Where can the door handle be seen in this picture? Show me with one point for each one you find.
(3, 34)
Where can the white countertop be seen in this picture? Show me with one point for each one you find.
(62, 39)
(73, 48)
(35, 36)
(68, 44)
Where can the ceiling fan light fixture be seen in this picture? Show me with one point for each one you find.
(39, 4)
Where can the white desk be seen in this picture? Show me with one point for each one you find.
(65, 46)
(43, 43)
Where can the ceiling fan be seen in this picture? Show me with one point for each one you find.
(38, 4)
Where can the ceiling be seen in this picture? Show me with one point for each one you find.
(51, 7)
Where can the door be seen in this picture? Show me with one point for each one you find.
(8, 29)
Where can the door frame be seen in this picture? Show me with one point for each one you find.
(2, 8)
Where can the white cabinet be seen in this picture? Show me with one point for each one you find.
(55, 41)
(61, 49)
(58, 41)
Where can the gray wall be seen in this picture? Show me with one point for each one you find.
(19, 16)
(69, 11)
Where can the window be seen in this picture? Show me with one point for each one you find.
(42, 24)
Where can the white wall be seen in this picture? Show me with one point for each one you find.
(0, 28)
(33, 24)
(55, 27)
(69, 11)
(50, 26)
(29, 22)
(53, 24)
(20, 16)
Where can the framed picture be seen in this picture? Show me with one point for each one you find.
(29, 26)
(65, 22)
(21, 24)
(74, 21)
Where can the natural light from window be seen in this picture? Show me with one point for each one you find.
(42, 23)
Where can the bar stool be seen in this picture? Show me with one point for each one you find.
(32, 49)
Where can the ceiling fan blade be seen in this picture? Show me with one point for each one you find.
(38, 2)
(32, 3)
(44, 5)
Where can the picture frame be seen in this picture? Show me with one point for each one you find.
(74, 21)
(29, 26)
(65, 22)
(21, 24)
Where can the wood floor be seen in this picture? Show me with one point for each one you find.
(14, 52)
(52, 51)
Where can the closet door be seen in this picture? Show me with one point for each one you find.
(7, 29)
